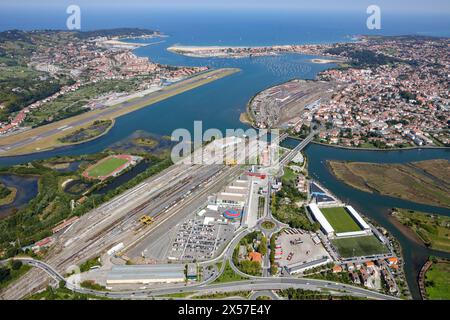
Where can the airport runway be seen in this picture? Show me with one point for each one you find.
(25, 138)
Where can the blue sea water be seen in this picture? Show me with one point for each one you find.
(217, 104)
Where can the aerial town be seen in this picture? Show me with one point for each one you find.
(388, 92)
(263, 224)
(391, 105)
(263, 156)
(70, 63)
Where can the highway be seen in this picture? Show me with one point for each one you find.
(30, 137)
(158, 196)
(255, 283)
(117, 220)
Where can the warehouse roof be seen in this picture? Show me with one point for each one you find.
(156, 271)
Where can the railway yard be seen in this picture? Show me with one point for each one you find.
(118, 220)
(283, 105)
(183, 226)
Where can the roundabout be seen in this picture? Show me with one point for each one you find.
(267, 225)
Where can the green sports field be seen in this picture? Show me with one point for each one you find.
(106, 167)
(359, 246)
(340, 219)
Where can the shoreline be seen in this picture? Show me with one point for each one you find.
(383, 191)
(113, 121)
(9, 199)
(372, 149)
(109, 113)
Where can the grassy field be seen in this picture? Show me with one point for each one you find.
(106, 167)
(359, 246)
(289, 175)
(437, 281)
(95, 130)
(228, 275)
(7, 194)
(52, 142)
(423, 182)
(340, 219)
(432, 229)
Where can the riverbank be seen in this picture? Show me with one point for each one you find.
(410, 181)
(431, 229)
(373, 149)
(47, 137)
(326, 61)
(97, 129)
(434, 279)
(237, 52)
(9, 198)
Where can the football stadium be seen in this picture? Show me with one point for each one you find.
(340, 219)
(347, 231)
(108, 167)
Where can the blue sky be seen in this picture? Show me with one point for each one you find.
(441, 6)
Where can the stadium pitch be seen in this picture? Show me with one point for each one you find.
(359, 246)
(340, 219)
(107, 167)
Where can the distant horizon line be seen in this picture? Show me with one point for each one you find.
(34, 7)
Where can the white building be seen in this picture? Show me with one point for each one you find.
(145, 274)
(318, 215)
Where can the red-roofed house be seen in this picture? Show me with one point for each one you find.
(255, 256)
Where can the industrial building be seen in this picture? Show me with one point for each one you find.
(302, 266)
(234, 195)
(145, 274)
(191, 272)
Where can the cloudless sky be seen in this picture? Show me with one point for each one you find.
(414, 6)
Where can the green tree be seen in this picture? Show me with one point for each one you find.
(16, 264)
(262, 248)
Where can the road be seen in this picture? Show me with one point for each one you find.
(256, 283)
(264, 293)
(27, 139)
(292, 153)
(117, 220)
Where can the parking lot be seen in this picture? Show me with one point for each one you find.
(197, 240)
(298, 246)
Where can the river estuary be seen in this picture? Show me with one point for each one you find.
(219, 104)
